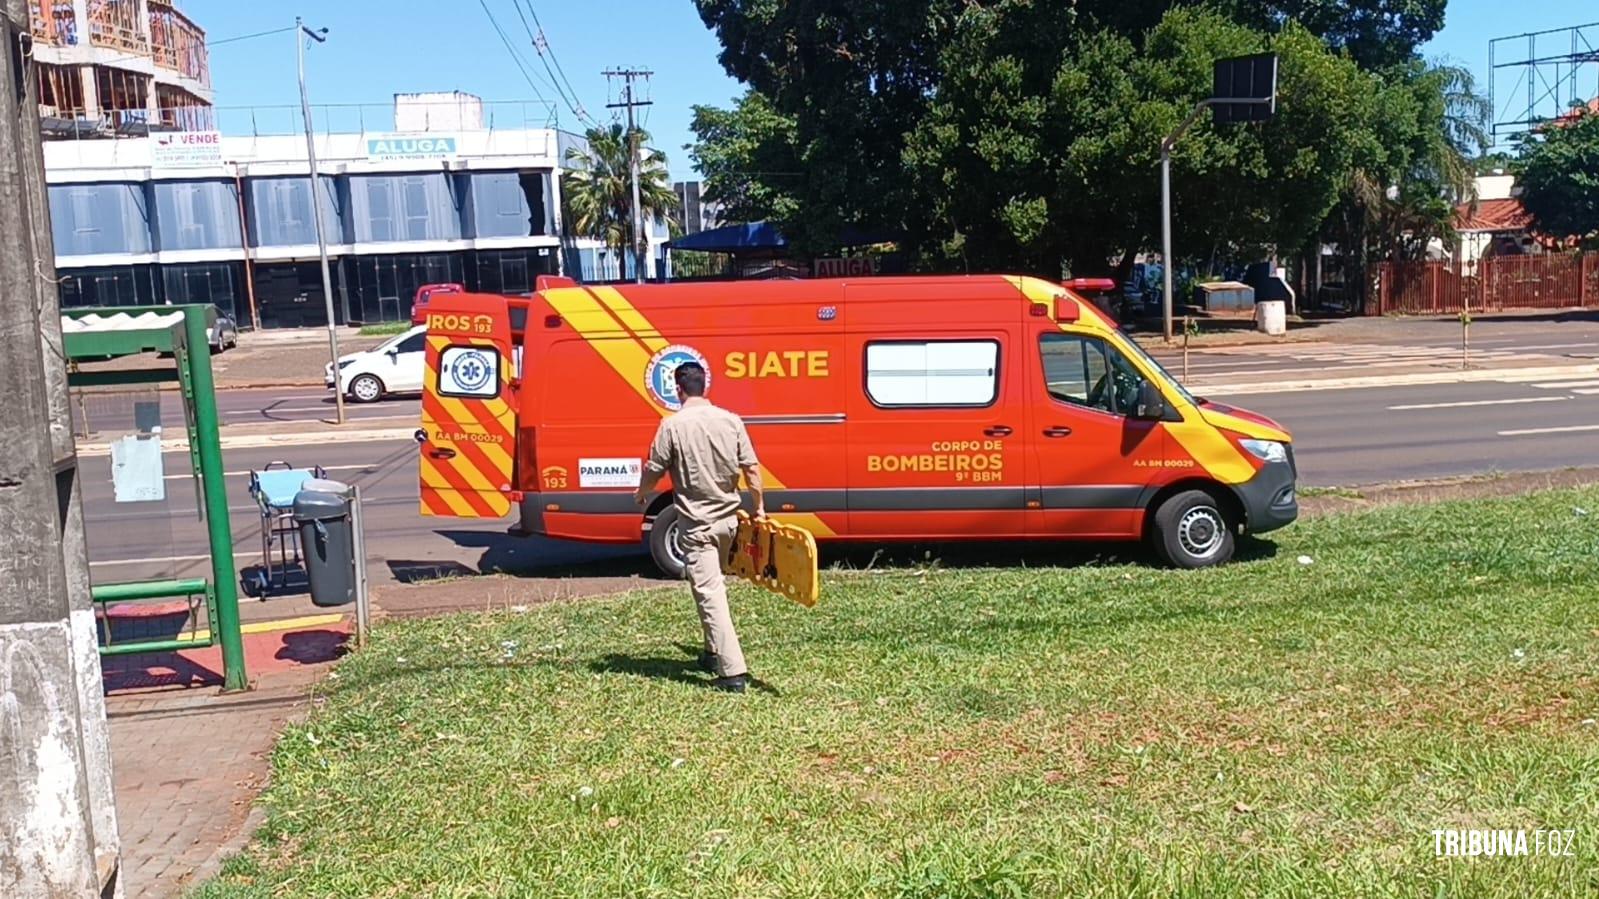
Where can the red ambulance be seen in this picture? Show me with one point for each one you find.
(882, 409)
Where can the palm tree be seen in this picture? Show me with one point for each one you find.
(1394, 210)
(598, 192)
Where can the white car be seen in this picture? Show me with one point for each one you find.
(394, 366)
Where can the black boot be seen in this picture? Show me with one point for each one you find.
(735, 683)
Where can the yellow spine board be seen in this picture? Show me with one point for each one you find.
(779, 557)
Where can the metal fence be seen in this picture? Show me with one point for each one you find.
(1554, 281)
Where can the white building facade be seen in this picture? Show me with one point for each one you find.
(197, 217)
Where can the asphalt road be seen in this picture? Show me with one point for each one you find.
(110, 412)
(1536, 340)
(1492, 346)
(1342, 438)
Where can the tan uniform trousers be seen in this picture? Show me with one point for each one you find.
(705, 546)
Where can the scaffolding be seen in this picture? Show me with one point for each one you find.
(1540, 76)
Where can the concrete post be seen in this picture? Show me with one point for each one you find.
(55, 779)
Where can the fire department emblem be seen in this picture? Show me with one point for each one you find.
(658, 376)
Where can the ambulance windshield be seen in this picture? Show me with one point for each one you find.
(1130, 346)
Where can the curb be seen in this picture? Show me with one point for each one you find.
(1415, 379)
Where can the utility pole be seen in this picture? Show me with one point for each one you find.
(640, 246)
(56, 807)
(320, 36)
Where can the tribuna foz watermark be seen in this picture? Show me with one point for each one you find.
(1503, 843)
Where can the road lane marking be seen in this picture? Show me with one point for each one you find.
(329, 409)
(156, 559)
(1566, 385)
(246, 472)
(268, 441)
(1529, 399)
(1568, 429)
(1587, 391)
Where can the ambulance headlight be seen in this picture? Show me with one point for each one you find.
(1266, 450)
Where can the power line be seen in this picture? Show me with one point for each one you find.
(541, 44)
(555, 84)
(550, 81)
(511, 49)
(207, 44)
(245, 37)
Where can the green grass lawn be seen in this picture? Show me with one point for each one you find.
(1272, 728)
(385, 329)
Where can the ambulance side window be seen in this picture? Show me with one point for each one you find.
(932, 373)
(1085, 372)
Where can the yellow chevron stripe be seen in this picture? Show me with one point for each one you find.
(627, 357)
(498, 453)
(433, 478)
(632, 319)
(1243, 426)
(448, 492)
(631, 358)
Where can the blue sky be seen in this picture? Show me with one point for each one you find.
(376, 49)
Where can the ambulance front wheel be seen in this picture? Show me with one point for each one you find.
(666, 544)
(1192, 530)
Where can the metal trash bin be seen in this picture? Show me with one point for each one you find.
(327, 544)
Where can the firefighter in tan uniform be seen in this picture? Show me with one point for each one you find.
(705, 449)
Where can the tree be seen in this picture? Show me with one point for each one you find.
(749, 159)
(1023, 135)
(1376, 34)
(1560, 176)
(598, 193)
(1399, 194)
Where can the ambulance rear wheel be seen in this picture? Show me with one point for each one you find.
(666, 544)
(1192, 531)
(366, 389)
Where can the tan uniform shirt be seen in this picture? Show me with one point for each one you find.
(704, 448)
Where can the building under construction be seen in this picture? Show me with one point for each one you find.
(110, 68)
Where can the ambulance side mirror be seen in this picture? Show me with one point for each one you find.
(1151, 403)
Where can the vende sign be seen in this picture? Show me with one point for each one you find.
(186, 149)
(409, 146)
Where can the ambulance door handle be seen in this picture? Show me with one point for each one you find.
(998, 431)
(442, 453)
(1058, 431)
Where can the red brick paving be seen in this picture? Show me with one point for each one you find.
(188, 760)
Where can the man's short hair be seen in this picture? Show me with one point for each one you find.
(690, 378)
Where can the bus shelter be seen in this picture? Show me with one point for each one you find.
(181, 332)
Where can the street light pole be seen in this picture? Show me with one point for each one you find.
(320, 36)
(1166, 146)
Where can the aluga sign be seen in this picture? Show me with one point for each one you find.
(399, 146)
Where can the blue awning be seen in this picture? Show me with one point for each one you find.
(765, 236)
(733, 239)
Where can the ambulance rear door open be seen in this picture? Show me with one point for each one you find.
(468, 433)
